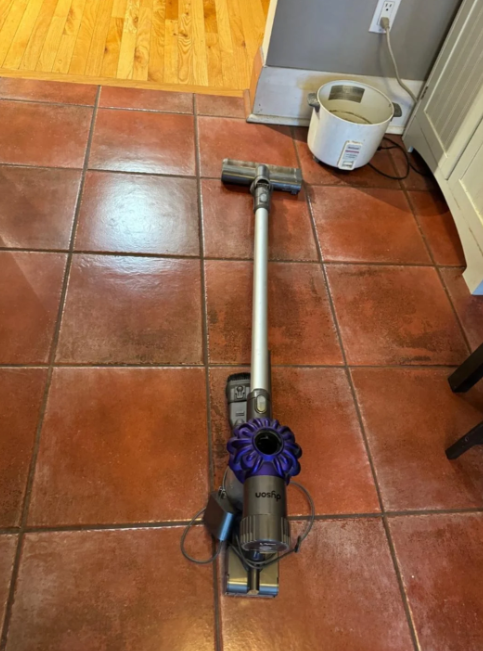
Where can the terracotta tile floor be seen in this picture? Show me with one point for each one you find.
(125, 282)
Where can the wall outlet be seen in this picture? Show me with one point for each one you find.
(384, 9)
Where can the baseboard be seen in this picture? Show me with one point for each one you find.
(279, 95)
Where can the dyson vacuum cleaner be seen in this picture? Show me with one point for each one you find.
(248, 514)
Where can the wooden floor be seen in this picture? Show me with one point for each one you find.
(205, 43)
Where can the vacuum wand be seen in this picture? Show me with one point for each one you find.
(264, 526)
(262, 179)
(260, 363)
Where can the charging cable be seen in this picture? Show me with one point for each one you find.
(385, 24)
(186, 531)
(247, 564)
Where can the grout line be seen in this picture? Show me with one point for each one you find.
(455, 312)
(43, 409)
(13, 366)
(404, 598)
(438, 267)
(130, 109)
(407, 608)
(98, 170)
(216, 596)
(429, 512)
(182, 256)
(390, 514)
(125, 254)
(23, 100)
(161, 524)
(206, 176)
(144, 365)
(192, 365)
(334, 516)
(204, 315)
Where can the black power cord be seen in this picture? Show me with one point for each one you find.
(236, 546)
(183, 540)
(409, 164)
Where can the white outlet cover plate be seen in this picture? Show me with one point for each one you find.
(375, 27)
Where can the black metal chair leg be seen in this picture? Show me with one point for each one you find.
(468, 374)
(474, 437)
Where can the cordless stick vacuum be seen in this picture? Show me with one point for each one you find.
(248, 513)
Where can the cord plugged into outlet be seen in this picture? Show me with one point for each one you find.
(387, 12)
(384, 9)
(385, 23)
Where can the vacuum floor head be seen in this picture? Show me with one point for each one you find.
(285, 179)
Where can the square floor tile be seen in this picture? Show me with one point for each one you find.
(132, 310)
(140, 141)
(37, 207)
(411, 417)
(43, 134)
(221, 138)
(394, 315)
(106, 590)
(120, 446)
(441, 559)
(317, 405)
(30, 287)
(318, 173)
(339, 593)
(21, 393)
(145, 99)
(47, 91)
(8, 546)
(366, 225)
(301, 329)
(228, 224)
(220, 106)
(414, 181)
(468, 307)
(438, 227)
(136, 213)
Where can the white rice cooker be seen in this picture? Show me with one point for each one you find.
(349, 120)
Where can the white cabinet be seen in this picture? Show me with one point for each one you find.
(446, 128)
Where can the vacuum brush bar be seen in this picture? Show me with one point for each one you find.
(286, 179)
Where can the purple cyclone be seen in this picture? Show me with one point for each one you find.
(263, 447)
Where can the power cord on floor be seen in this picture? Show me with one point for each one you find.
(409, 165)
(183, 540)
(236, 546)
(386, 25)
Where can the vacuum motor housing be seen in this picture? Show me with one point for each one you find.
(264, 526)
(264, 456)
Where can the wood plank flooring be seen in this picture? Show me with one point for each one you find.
(206, 44)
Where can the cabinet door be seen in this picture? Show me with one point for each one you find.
(466, 184)
(452, 102)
